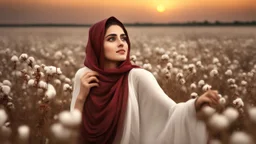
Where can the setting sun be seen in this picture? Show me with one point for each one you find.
(160, 8)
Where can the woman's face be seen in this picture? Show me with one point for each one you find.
(115, 45)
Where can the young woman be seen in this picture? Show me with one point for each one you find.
(123, 104)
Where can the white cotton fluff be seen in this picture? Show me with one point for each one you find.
(179, 75)
(50, 70)
(133, 58)
(169, 66)
(228, 72)
(215, 60)
(147, 66)
(231, 81)
(37, 67)
(42, 85)
(23, 57)
(182, 81)
(60, 132)
(17, 73)
(70, 119)
(7, 82)
(243, 83)
(57, 81)
(252, 113)
(58, 55)
(238, 102)
(31, 60)
(208, 111)
(231, 114)
(67, 80)
(240, 137)
(66, 87)
(59, 72)
(31, 82)
(6, 89)
(51, 92)
(213, 72)
(14, 59)
(193, 95)
(199, 63)
(193, 86)
(201, 83)
(206, 87)
(66, 63)
(165, 57)
(218, 121)
(222, 101)
(3, 117)
(23, 132)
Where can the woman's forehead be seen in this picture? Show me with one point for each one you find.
(115, 29)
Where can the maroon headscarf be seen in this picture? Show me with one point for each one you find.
(105, 107)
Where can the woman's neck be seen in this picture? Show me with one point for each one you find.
(110, 65)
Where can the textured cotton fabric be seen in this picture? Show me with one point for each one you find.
(151, 116)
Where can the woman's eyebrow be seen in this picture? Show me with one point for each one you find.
(115, 35)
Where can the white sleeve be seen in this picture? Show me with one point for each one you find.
(164, 120)
(76, 86)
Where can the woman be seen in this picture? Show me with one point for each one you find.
(122, 103)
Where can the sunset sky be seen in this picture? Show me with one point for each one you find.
(128, 11)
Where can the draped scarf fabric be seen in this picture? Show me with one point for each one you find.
(105, 107)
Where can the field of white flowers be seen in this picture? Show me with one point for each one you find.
(37, 66)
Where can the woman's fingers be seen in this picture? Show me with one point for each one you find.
(91, 73)
(93, 85)
(91, 79)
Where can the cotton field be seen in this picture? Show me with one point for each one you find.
(38, 66)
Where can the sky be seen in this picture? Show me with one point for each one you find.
(128, 11)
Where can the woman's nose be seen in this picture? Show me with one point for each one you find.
(120, 42)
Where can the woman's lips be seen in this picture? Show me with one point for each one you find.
(120, 51)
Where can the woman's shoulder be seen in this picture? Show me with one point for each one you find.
(140, 73)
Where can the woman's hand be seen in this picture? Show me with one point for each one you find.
(210, 98)
(87, 81)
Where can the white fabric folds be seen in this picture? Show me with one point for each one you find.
(152, 117)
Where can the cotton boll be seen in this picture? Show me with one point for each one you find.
(219, 122)
(147, 66)
(238, 102)
(7, 82)
(169, 66)
(67, 80)
(31, 60)
(14, 59)
(222, 101)
(66, 87)
(214, 73)
(133, 58)
(228, 72)
(51, 92)
(60, 132)
(70, 119)
(42, 84)
(231, 81)
(59, 72)
(57, 82)
(193, 86)
(240, 137)
(23, 57)
(193, 95)
(3, 117)
(179, 76)
(206, 87)
(252, 114)
(31, 82)
(208, 111)
(23, 132)
(215, 60)
(6, 89)
(243, 83)
(17, 73)
(37, 67)
(50, 70)
(165, 57)
(201, 83)
(231, 114)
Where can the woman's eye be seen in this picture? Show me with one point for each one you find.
(111, 39)
(124, 38)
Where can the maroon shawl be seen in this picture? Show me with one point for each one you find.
(105, 107)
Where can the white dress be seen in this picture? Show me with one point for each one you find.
(152, 117)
